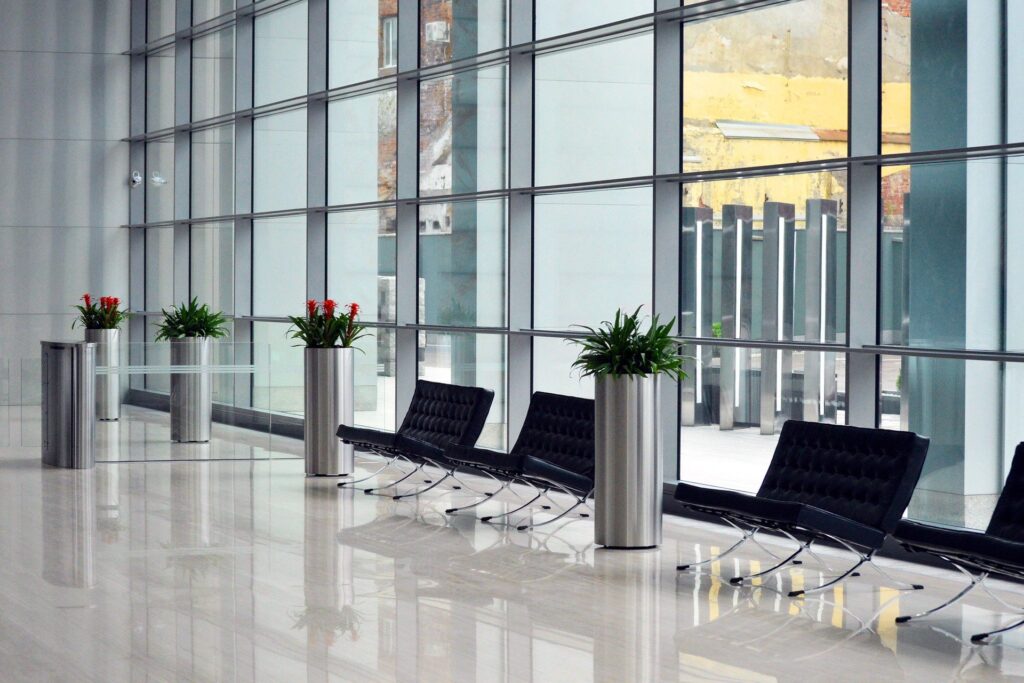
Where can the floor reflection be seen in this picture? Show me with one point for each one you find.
(239, 570)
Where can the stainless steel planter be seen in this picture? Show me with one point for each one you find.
(329, 403)
(191, 397)
(68, 409)
(108, 387)
(627, 493)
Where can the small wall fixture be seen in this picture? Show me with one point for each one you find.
(136, 179)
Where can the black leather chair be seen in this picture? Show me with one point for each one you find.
(555, 450)
(999, 550)
(826, 482)
(439, 416)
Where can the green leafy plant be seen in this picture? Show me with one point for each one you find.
(622, 347)
(716, 330)
(324, 326)
(106, 314)
(191, 320)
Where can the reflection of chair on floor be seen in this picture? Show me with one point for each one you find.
(762, 642)
(555, 450)
(999, 550)
(826, 482)
(439, 415)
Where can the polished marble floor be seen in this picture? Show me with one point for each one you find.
(235, 570)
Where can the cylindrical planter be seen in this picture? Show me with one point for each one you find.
(627, 493)
(191, 397)
(108, 387)
(329, 403)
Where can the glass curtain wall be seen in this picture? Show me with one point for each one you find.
(723, 163)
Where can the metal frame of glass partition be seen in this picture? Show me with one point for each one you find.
(674, 291)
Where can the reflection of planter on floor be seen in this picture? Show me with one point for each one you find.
(191, 395)
(108, 387)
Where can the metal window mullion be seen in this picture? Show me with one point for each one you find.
(182, 151)
(863, 193)
(667, 202)
(316, 152)
(406, 238)
(242, 304)
(520, 218)
(137, 195)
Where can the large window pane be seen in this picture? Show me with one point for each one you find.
(948, 253)
(592, 254)
(203, 10)
(159, 18)
(765, 258)
(462, 132)
(363, 40)
(456, 29)
(553, 371)
(280, 54)
(471, 360)
(554, 17)
(766, 87)
(375, 380)
(279, 161)
(969, 410)
(159, 268)
(594, 112)
(734, 402)
(279, 266)
(279, 378)
(212, 265)
(945, 75)
(160, 90)
(361, 261)
(213, 74)
(213, 171)
(159, 181)
(361, 147)
(462, 263)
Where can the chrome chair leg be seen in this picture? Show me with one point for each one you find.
(831, 582)
(487, 495)
(737, 580)
(982, 637)
(371, 491)
(434, 484)
(387, 463)
(975, 580)
(560, 515)
(514, 510)
(747, 535)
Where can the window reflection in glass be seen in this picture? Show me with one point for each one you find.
(594, 112)
(213, 171)
(462, 132)
(361, 148)
(462, 263)
(592, 254)
(212, 265)
(279, 161)
(363, 38)
(766, 86)
(160, 90)
(213, 74)
(280, 54)
(456, 29)
(361, 261)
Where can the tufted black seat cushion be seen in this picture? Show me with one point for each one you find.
(559, 430)
(1000, 546)
(848, 482)
(367, 438)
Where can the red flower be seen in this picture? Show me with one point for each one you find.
(329, 306)
(115, 302)
(310, 308)
(87, 299)
(353, 309)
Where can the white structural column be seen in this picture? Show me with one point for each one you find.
(862, 265)
(668, 146)
(316, 153)
(182, 149)
(137, 195)
(520, 217)
(244, 41)
(1013, 379)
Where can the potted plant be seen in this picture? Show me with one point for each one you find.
(191, 328)
(328, 334)
(626, 362)
(102, 322)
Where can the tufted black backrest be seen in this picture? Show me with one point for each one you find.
(560, 430)
(443, 414)
(1008, 517)
(866, 475)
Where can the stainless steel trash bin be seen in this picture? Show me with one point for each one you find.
(69, 404)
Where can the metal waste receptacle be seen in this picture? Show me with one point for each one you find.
(69, 404)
